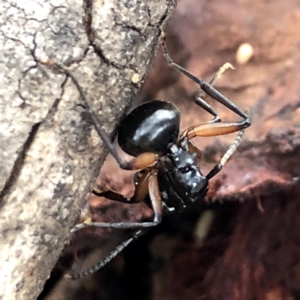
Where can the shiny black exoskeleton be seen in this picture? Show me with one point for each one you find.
(180, 179)
(168, 174)
(154, 127)
(150, 127)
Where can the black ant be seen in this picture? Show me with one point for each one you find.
(169, 177)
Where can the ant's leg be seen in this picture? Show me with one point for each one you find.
(141, 180)
(217, 168)
(109, 257)
(205, 86)
(199, 100)
(219, 73)
(215, 129)
(142, 161)
(193, 149)
(202, 103)
(154, 193)
(148, 180)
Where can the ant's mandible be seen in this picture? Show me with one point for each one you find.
(168, 176)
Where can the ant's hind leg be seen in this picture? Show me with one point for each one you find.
(214, 129)
(218, 167)
(199, 99)
(205, 86)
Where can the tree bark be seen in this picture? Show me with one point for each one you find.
(50, 154)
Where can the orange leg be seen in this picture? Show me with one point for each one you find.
(143, 161)
(215, 129)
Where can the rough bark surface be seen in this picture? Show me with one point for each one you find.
(252, 248)
(50, 153)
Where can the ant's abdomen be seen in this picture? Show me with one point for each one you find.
(150, 127)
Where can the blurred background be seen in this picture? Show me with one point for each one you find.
(244, 241)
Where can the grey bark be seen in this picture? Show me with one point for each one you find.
(50, 154)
